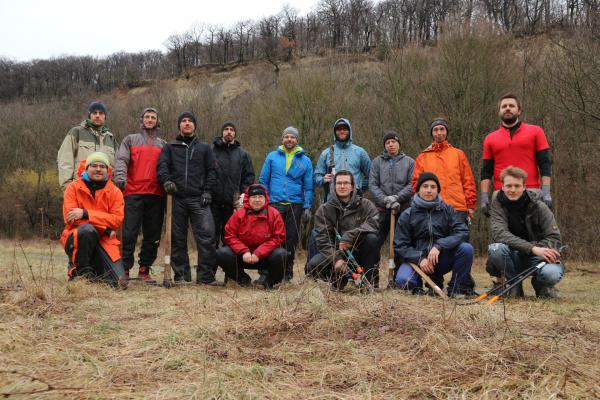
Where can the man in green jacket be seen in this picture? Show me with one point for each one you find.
(89, 136)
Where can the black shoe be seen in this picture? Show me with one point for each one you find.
(214, 283)
(262, 282)
(547, 292)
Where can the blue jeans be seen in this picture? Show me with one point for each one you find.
(502, 261)
(458, 260)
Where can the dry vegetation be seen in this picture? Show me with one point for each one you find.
(82, 340)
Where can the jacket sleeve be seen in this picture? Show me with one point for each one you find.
(321, 168)
(468, 182)
(459, 232)
(365, 168)
(407, 191)
(122, 161)
(548, 227)
(403, 248)
(231, 232)
(113, 218)
(277, 238)
(375, 181)
(247, 173)
(326, 244)
(500, 231)
(418, 170)
(69, 203)
(265, 173)
(308, 184)
(164, 165)
(210, 166)
(370, 223)
(66, 160)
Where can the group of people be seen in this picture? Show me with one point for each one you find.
(238, 223)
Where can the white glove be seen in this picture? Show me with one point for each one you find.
(239, 203)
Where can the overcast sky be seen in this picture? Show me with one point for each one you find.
(32, 29)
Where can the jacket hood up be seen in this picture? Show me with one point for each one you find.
(348, 142)
(246, 198)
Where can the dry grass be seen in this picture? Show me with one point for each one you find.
(302, 341)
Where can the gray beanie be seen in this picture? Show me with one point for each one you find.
(290, 130)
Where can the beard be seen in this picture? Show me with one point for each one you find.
(509, 119)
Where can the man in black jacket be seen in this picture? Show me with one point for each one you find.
(234, 174)
(186, 169)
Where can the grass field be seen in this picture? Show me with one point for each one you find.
(302, 341)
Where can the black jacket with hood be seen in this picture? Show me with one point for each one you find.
(234, 170)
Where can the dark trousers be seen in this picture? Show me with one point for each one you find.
(233, 265)
(364, 251)
(291, 214)
(188, 209)
(221, 214)
(88, 259)
(145, 211)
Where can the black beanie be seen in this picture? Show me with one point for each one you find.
(186, 114)
(436, 122)
(391, 134)
(256, 190)
(228, 123)
(428, 176)
(97, 106)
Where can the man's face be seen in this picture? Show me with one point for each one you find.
(97, 172)
(513, 187)
(228, 134)
(343, 187)
(257, 201)
(428, 190)
(392, 146)
(150, 119)
(342, 133)
(509, 111)
(289, 141)
(439, 133)
(187, 127)
(97, 117)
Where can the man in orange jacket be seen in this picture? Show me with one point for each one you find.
(452, 168)
(93, 211)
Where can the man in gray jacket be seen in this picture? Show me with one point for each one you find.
(524, 233)
(346, 222)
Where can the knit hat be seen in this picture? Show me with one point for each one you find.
(256, 190)
(428, 176)
(290, 130)
(436, 122)
(97, 157)
(96, 106)
(186, 114)
(391, 134)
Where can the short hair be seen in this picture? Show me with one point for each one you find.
(343, 172)
(509, 96)
(513, 171)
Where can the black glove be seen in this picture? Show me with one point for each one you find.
(547, 196)
(306, 215)
(121, 185)
(170, 187)
(485, 203)
(205, 199)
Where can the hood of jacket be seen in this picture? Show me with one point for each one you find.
(386, 156)
(88, 125)
(353, 203)
(296, 151)
(348, 142)
(247, 202)
(220, 143)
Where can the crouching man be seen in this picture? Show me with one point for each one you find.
(345, 222)
(253, 236)
(524, 233)
(433, 236)
(93, 211)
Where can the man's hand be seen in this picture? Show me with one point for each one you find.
(254, 259)
(239, 202)
(247, 257)
(470, 213)
(484, 201)
(306, 215)
(344, 246)
(170, 187)
(389, 200)
(74, 215)
(395, 206)
(547, 196)
(327, 178)
(426, 266)
(340, 266)
(549, 255)
(433, 256)
(205, 199)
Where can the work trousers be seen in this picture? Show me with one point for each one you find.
(233, 265)
(291, 215)
(221, 214)
(145, 211)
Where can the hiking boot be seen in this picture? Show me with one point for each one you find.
(214, 283)
(547, 292)
(123, 282)
(127, 274)
(144, 275)
(262, 282)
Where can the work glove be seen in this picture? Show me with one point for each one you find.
(170, 187)
(547, 196)
(389, 200)
(121, 185)
(484, 200)
(205, 199)
(306, 215)
(395, 206)
(239, 202)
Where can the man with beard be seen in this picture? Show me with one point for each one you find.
(89, 136)
(518, 144)
(234, 174)
(135, 174)
(186, 169)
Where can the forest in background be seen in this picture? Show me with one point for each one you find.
(395, 67)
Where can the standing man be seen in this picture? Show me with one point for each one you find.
(186, 169)
(345, 222)
(288, 176)
(524, 233)
(89, 136)
(519, 144)
(135, 174)
(234, 174)
(93, 211)
(451, 167)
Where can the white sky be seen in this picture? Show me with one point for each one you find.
(39, 29)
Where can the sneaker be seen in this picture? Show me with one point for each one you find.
(144, 275)
(547, 292)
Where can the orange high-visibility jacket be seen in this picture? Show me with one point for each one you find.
(454, 172)
(104, 211)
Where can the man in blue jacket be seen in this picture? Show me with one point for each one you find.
(288, 175)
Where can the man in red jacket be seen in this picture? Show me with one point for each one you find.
(253, 236)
